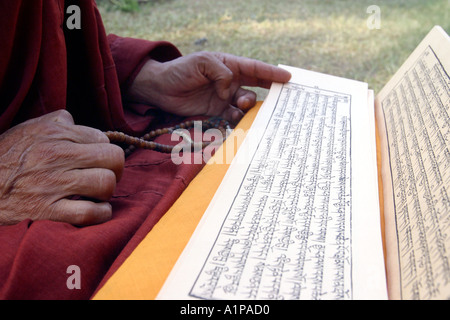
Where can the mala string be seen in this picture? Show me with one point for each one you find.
(145, 141)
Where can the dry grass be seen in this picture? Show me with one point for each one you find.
(320, 35)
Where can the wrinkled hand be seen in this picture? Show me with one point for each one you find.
(204, 84)
(45, 161)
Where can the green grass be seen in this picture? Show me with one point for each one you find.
(320, 35)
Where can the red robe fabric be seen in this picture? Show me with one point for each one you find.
(44, 67)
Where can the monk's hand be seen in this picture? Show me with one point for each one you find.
(204, 83)
(52, 169)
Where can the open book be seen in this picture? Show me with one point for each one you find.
(297, 215)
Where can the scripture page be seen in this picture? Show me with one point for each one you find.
(297, 214)
(413, 115)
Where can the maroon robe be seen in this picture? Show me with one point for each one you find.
(45, 66)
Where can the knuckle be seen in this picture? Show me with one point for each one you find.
(117, 157)
(111, 152)
(203, 55)
(107, 183)
(62, 115)
(92, 135)
(117, 153)
(107, 178)
(204, 58)
(101, 137)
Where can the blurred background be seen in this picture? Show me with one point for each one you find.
(345, 38)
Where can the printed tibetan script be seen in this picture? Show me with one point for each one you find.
(287, 234)
(417, 119)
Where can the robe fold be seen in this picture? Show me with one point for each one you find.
(45, 66)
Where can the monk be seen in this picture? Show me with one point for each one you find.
(68, 197)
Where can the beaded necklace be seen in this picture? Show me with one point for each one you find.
(145, 142)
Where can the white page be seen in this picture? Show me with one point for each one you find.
(413, 115)
(297, 214)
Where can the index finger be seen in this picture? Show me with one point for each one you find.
(257, 73)
(100, 155)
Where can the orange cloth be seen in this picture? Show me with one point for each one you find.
(143, 274)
